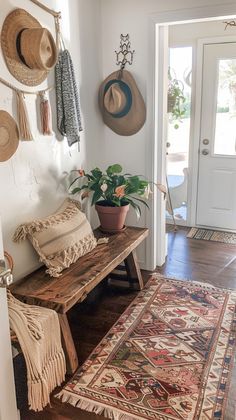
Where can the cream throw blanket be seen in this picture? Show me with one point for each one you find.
(38, 332)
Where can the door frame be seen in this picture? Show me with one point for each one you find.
(197, 121)
(156, 114)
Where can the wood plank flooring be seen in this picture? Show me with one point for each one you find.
(191, 259)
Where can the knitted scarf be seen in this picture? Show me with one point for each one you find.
(38, 333)
(68, 106)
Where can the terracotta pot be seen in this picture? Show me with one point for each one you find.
(112, 219)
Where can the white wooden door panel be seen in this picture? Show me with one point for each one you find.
(216, 196)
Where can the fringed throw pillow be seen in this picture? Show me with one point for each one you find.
(61, 238)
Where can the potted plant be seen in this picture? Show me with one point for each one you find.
(113, 194)
(175, 99)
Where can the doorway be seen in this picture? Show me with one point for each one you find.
(157, 85)
(216, 195)
(216, 107)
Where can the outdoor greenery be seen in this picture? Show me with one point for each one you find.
(111, 187)
(228, 80)
(176, 99)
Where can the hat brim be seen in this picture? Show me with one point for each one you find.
(9, 146)
(14, 23)
(133, 121)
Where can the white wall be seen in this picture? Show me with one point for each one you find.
(32, 182)
(134, 17)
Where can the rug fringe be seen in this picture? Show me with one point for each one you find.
(93, 407)
(207, 286)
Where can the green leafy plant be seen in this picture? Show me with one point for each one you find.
(176, 99)
(112, 188)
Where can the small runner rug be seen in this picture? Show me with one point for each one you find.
(212, 235)
(168, 357)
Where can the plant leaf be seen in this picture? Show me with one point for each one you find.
(96, 195)
(76, 179)
(97, 173)
(135, 207)
(114, 169)
(141, 201)
(76, 190)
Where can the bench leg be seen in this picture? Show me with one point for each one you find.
(133, 269)
(68, 345)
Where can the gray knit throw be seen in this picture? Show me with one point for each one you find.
(68, 106)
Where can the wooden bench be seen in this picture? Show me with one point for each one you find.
(79, 279)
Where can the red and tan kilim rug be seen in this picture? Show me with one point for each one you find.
(169, 356)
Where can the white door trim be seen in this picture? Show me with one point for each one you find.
(155, 158)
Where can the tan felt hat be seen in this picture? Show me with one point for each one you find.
(9, 136)
(121, 103)
(28, 49)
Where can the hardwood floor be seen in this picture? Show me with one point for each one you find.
(191, 259)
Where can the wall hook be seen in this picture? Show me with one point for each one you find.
(125, 54)
(229, 23)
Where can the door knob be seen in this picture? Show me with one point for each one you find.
(205, 152)
(205, 141)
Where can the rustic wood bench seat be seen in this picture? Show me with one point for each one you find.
(63, 292)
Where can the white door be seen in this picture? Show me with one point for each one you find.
(216, 197)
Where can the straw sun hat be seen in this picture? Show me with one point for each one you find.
(121, 103)
(28, 49)
(9, 136)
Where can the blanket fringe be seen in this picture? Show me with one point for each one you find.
(93, 407)
(38, 332)
(40, 388)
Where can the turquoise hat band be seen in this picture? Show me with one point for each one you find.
(128, 96)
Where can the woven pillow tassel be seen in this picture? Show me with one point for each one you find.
(23, 119)
(45, 114)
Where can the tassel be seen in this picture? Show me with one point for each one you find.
(20, 234)
(45, 113)
(23, 119)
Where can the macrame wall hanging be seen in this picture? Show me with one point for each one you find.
(23, 118)
(45, 110)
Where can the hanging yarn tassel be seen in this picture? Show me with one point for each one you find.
(45, 114)
(23, 119)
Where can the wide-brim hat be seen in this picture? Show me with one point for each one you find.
(9, 136)
(28, 49)
(121, 103)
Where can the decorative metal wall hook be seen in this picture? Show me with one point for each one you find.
(124, 55)
(229, 23)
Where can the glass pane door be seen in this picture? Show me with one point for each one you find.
(225, 126)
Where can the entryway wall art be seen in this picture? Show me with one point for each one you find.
(30, 52)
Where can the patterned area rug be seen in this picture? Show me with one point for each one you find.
(212, 235)
(168, 357)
